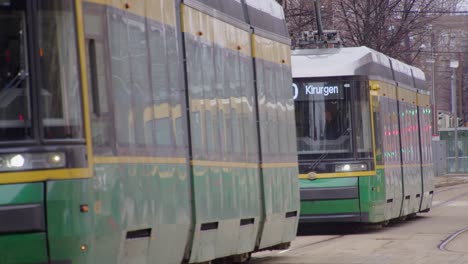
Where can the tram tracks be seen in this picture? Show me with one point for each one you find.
(300, 247)
(446, 202)
(450, 188)
(444, 245)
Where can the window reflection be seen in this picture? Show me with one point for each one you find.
(60, 86)
(323, 118)
(15, 112)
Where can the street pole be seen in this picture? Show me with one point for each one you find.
(454, 66)
(435, 123)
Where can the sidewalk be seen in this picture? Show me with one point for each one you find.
(450, 179)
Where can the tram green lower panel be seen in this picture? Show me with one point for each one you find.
(68, 228)
(23, 249)
(322, 204)
(138, 213)
(372, 191)
(369, 205)
(227, 204)
(281, 206)
(330, 207)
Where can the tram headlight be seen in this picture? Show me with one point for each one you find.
(56, 160)
(17, 161)
(350, 167)
(32, 161)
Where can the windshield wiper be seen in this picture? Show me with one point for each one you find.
(322, 157)
(19, 78)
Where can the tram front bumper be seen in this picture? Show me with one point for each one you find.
(331, 205)
(24, 218)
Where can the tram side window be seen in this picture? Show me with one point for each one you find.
(235, 104)
(282, 112)
(362, 120)
(141, 90)
(208, 79)
(160, 85)
(98, 76)
(121, 80)
(58, 65)
(248, 118)
(101, 128)
(15, 109)
(378, 129)
(175, 87)
(194, 78)
(218, 123)
(272, 115)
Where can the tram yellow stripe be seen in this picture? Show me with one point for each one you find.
(213, 30)
(271, 50)
(139, 160)
(340, 174)
(407, 96)
(424, 100)
(383, 89)
(404, 166)
(84, 83)
(201, 163)
(279, 165)
(223, 164)
(372, 122)
(43, 175)
(159, 10)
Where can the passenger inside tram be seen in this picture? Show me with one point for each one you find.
(332, 127)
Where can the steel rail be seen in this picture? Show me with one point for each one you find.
(442, 246)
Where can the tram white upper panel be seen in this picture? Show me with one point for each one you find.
(354, 61)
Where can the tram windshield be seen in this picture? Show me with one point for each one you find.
(325, 113)
(15, 111)
(45, 66)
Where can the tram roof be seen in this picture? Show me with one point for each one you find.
(354, 61)
(265, 16)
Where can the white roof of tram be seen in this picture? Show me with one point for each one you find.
(354, 61)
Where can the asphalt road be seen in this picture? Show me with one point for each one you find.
(440, 236)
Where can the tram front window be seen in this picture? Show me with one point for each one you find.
(58, 69)
(323, 119)
(15, 123)
(46, 67)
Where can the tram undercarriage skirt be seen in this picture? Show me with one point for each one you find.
(335, 218)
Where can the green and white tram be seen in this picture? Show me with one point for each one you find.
(129, 131)
(364, 136)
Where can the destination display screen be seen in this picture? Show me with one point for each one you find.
(317, 91)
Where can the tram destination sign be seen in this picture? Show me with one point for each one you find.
(307, 91)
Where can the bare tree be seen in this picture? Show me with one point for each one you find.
(394, 27)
